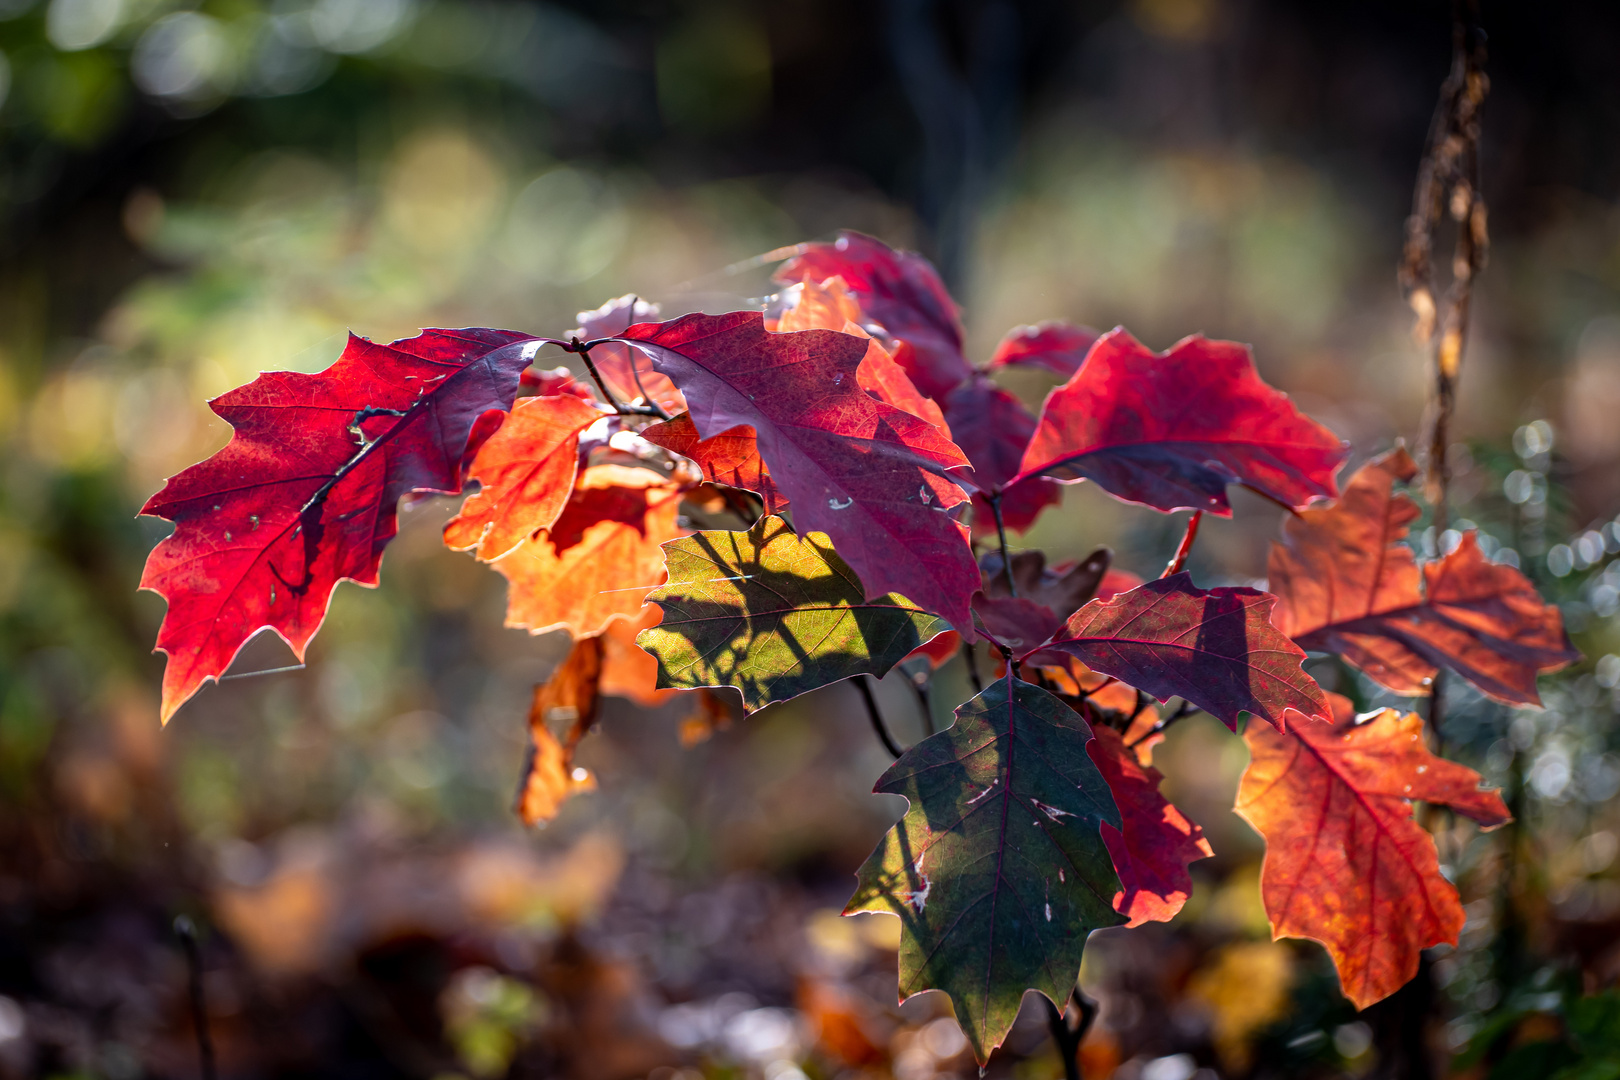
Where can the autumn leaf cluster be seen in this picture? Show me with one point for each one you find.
(739, 509)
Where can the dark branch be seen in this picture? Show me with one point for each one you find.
(876, 717)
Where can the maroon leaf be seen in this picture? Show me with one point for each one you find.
(1155, 842)
(1216, 649)
(867, 474)
(992, 427)
(901, 292)
(1171, 430)
(1059, 347)
(304, 494)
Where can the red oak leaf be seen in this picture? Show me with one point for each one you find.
(1346, 584)
(526, 470)
(1216, 649)
(601, 558)
(828, 306)
(1059, 347)
(626, 373)
(558, 380)
(305, 493)
(867, 474)
(899, 291)
(1155, 843)
(1044, 598)
(1171, 430)
(730, 458)
(1116, 581)
(1345, 863)
(992, 427)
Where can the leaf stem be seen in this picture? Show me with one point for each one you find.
(920, 684)
(652, 408)
(1179, 559)
(1001, 538)
(876, 717)
(972, 662)
(1067, 1038)
(187, 934)
(1185, 709)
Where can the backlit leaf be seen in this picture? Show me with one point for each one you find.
(1171, 430)
(1345, 863)
(305, 493)
(569, 696)
(526, 472)
(901, 292)
(1216, 649)
(867, 474)
(601, 558)
(1059, 347)
(1154, 844)
(992, 427)
(1346, 584)
(774, 615)
(626, 372)
(998, 870)
(730, 458)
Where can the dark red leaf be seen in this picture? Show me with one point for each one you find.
(867, 474)
(1059, 347)
(1216, 649)
(1171, 430)
(1155, 842)
(992, 427)
(304, 494)
(1044, 597)
(1347, 584)
(902, 293)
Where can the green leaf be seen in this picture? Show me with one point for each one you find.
(773, 615)
(998, 870)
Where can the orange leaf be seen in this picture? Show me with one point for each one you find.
(629, 671)
(549, 776)
(526, 472)
(1152, 850)
(1346, 584)
(600, 559)
(1345, 863)
(709, 714)
(730, 458)
(827, 306)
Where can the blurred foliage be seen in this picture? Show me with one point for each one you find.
(196, 192)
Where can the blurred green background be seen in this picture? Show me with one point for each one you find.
(191, 193)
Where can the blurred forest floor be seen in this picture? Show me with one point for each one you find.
(190, 194)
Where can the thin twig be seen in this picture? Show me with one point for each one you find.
(1179, 559)
(1185, 709)
(920, 684)
(583, 349)
(876, 717)
(972, 662)
(1068, 1038)
(187, 934)
(1001, 538)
